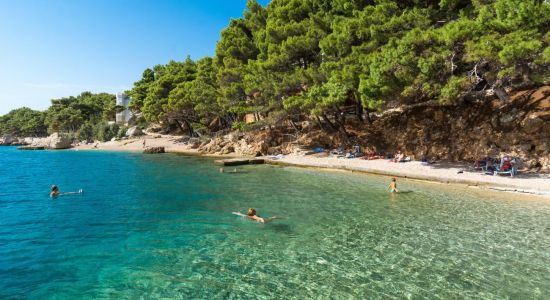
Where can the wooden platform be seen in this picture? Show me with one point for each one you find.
(31, 148)
(239, 161)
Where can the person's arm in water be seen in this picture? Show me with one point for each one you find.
(56, 194)
(71, 193)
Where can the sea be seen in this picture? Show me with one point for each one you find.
(161, 227)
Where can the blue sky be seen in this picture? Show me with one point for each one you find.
(55, 48)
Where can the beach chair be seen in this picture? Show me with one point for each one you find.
(511, 170)
(486, 163)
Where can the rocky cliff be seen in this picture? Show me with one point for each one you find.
(464, 131)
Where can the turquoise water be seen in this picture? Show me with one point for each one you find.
(160, 226)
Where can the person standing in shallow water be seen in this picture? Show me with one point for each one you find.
(393, 186)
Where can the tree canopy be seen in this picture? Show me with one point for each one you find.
(315, 57)
(321, 58)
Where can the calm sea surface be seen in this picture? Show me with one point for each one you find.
(160, 226)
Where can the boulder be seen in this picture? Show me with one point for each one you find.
(57, 141)
(6, 140)
(194, 143)
(227, 149)
(30, 140)
(532, 124)
(154, 150)
(134, 131)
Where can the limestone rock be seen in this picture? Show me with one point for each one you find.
(154, 150)
(532, 124)
(227, 149)
(134, 131)
(194, 143)
(58, 141)
(6, 140)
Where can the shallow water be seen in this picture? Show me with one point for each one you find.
(161, 226)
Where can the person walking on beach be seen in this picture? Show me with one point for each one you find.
(144, 143)
(393, 186)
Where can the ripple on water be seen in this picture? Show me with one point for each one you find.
(160, 227)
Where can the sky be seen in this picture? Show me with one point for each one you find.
(56, 48)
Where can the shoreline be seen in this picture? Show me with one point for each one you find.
(442, 172)
(510, 185)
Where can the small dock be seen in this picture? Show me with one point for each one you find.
(31, 148)
(239, 161)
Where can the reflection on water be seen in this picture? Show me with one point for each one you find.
(161, 227)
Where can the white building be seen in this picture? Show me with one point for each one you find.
(124, 116)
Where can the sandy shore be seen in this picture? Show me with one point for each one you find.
(440, 172)
(171, 144)
(458, 173)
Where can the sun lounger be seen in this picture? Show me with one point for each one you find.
(507, 167)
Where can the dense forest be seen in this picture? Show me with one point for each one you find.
(323, 60)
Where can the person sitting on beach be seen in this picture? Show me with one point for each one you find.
(393, 186)
(55, 192)
(398, 157)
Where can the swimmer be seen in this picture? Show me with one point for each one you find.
(251, 214)
(55, 192)
(221, 170)
(393, 186)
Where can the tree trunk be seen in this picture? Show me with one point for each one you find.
(330, 124)
(189, 128)
(359, 110)
(293, 125)
(319, 122)
(180, 125)
(501, 94)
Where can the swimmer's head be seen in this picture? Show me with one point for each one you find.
(54, 188)
(251, 212)
(393, 179)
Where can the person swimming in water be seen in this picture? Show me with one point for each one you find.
(252, 215)
(393, 186)
(55, 192)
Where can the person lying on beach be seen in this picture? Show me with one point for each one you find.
(55, 192)
(371, 154)
(251, 214)
(393, 186)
